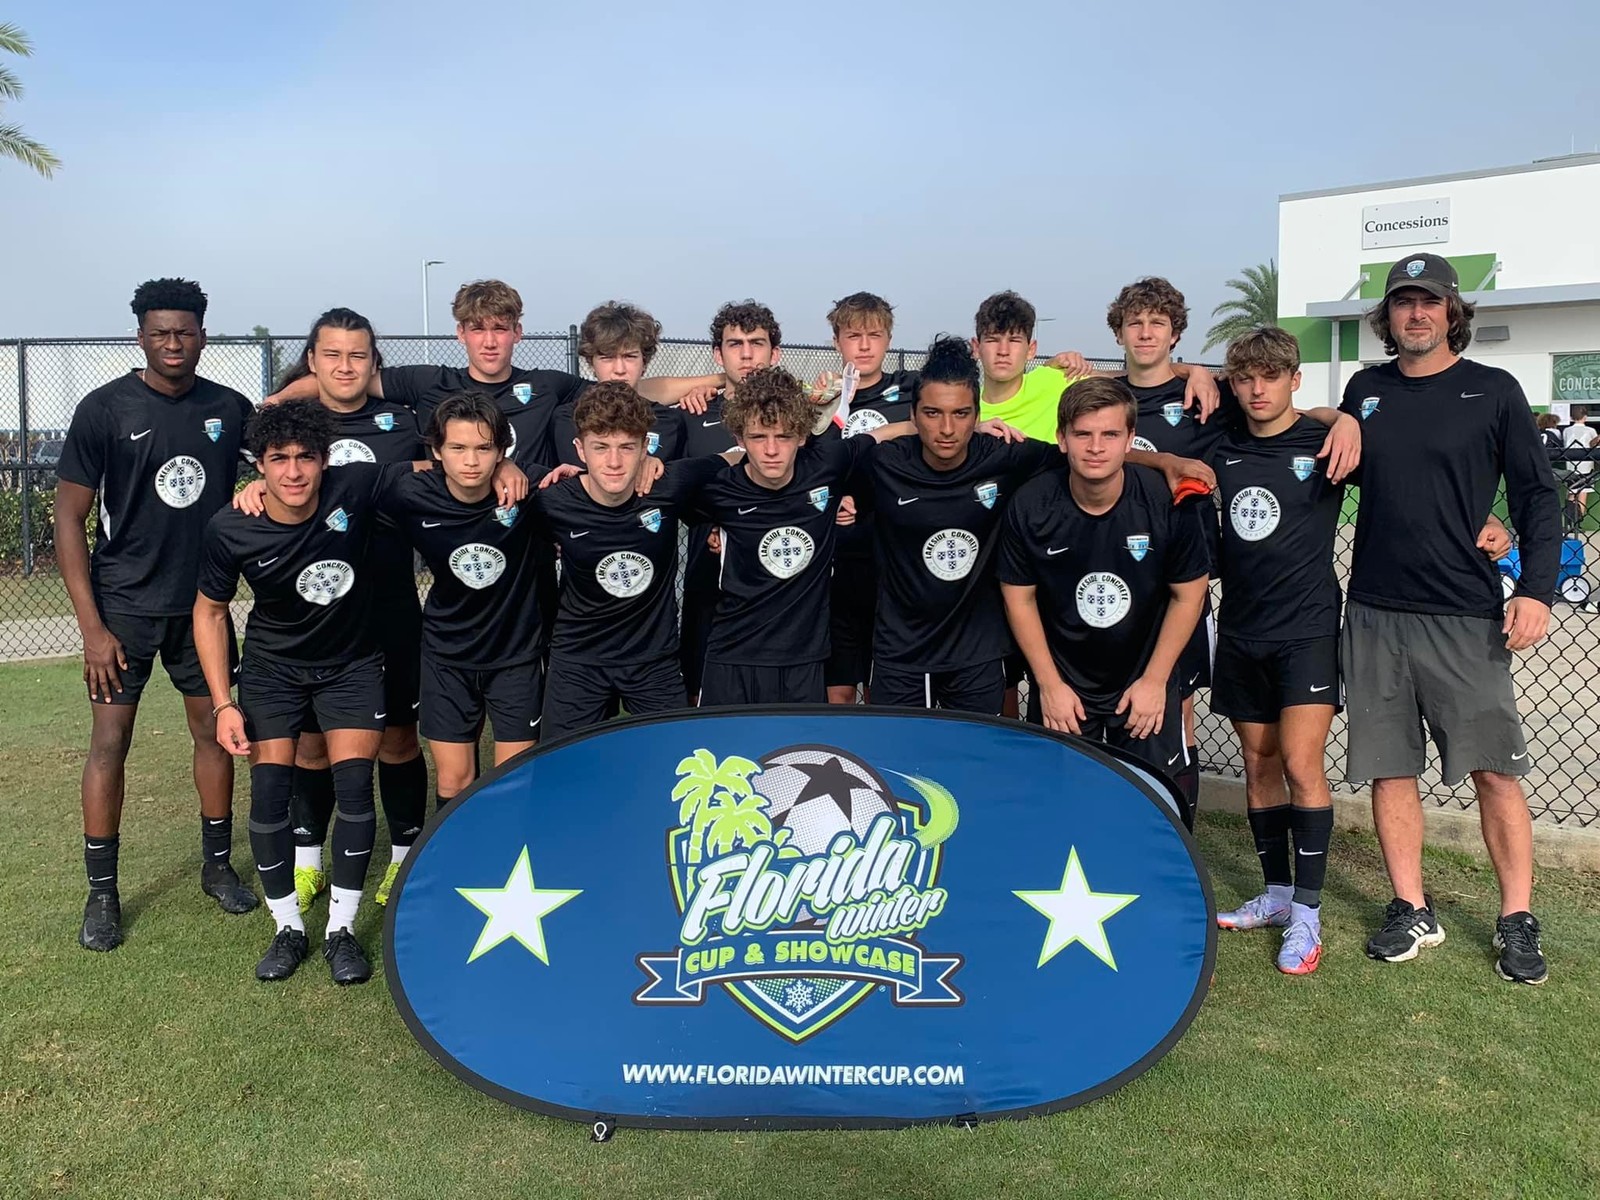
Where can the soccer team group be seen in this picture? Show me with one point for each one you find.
(928, 539)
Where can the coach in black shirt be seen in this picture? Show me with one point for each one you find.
(1425, 638)
(160, 450)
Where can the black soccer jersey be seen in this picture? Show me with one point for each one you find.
(480, 612)
(1167, 427)
(1104, 582)
(383, 432)
(886, 402)
(777, 555)
(162, 466)
(311, 587)
(528, 398)
(704, 433)
(939, 606)
(1280, 516)
(1433, 452)
(664, 441)
(619, 567)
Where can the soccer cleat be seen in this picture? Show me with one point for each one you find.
(1257, 913)
(1406, 931)
(347, 962)
(309, 883)
(288, 950)
(1521, 960)
(387, 886)
(102, 923)
(1301, 951)
(222, 883)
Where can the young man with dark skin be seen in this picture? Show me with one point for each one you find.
(308, 651)
(937, 501)
(1104, 579)
(159, 449)
(615, 639)
(1426, 635)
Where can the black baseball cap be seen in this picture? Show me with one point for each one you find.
(1426, 271)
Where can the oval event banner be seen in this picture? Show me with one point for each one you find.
(805, 917)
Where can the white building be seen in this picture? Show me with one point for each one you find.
(1525, 242)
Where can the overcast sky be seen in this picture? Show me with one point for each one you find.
(296, 155)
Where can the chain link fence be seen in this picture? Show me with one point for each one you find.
(41, 382)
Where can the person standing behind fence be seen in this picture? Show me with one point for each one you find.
(1580, 435)
(1424, 636)
(160, 448)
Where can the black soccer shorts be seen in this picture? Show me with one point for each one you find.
(172, 638)
(1255, 681)
(455, 701)
(578, 695)
(739, 683)
(279, 699)
(980, 688)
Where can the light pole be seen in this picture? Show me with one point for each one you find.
(426, 263)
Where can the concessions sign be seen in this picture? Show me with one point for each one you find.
(808, 917)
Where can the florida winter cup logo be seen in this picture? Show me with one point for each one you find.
(804, 885)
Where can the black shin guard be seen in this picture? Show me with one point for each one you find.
(216, 838)
(404, 787)
(1313, 830)
(1270, 828)
(312, 806)
(356, 828)
(271, 841)
(100, 864)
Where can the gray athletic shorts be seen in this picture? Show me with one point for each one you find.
(1401, 669)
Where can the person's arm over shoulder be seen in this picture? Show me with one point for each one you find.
(1531, 496)
(684, 477)
(405, 385)
(1187, 554)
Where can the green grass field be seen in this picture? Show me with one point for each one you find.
(165, 1070)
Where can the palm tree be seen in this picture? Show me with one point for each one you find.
(13, 142)
(1255, 305)
(703, 783)
(741, 822)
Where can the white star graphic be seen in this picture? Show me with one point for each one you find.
(1076, 914)
(515, 911)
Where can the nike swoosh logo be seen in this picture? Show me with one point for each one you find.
(356, 853)
(1323, 688)
(1470, 395)
(100, 878)
(418, 704)
(95, 845)
(431, 524)
(379, 716)
(1519, 757)
(1172, 760)
(134, 437)
(222, 854)
(1052, 551)
(273, 867)
(267, 562)
(1311, 853)
(744, 512)
(575, 536)
(1233, 462)
(534, 722)
(709, 424)
(913, 500)
(1193, 677)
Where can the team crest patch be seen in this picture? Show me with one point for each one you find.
(651, 520)
(1172, 413)
(785, 551)
(818, 498)
(1369, 406)
(324, 582)
(1138, 545)
(889, 395)
(1144, 444)
(213, 428)
(338, 520)
(625, 573)
(1255, 513)
(864, 420)
(805, 884)
(477, 565)
(1303, 466)
(384, 421)
(652, 443)
(506, 514)
(987, 493)
(350, 450)
(1415, 268)
(522, 391)
(180, 481)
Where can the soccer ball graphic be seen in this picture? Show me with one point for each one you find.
(817, 792)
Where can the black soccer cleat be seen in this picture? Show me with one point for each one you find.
(222, 883)
(1521, 960)
(288, 950)
(347, 962)
(1406, 931)
(102, 923)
